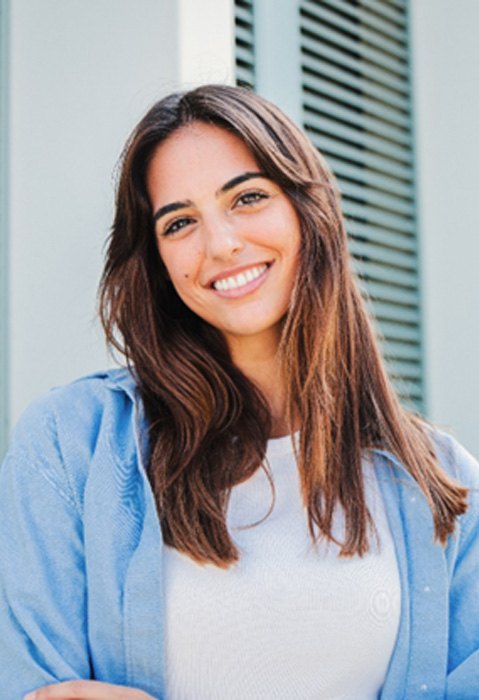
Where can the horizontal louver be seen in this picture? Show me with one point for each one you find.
(356, 109)
(244, 42)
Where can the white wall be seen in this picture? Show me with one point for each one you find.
(206, 47)
(81, 74)
(446, 77)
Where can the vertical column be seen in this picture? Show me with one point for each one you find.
(278, 54)
(4, 92)
(206, 42)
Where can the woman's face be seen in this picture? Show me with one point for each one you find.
(228, 235)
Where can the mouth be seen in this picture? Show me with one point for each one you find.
(243, 282)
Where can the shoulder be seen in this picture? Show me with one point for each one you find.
(452, 456)
(76, 405)
(460, 464)
(90, 392)
(464, 468)
(59, 433)
(455, 459)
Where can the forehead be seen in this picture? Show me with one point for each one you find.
(198, 153)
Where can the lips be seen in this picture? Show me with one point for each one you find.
(243, 283)
(240, 280)
(238, 276)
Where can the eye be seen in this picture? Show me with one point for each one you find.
(176, 225)
(252, 197)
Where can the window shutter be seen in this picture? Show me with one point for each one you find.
(357, 110)
(244, 42)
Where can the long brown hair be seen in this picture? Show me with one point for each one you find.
(208, 424)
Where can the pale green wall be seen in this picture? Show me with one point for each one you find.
(446, 78)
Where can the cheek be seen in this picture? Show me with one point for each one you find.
(184, 277)
(181, 264)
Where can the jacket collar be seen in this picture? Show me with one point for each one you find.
(122, 379)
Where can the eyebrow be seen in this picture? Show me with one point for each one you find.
(174, 206)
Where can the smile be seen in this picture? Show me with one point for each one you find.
(242, 283)
(241, 279)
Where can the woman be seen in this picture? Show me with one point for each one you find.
(246, 511)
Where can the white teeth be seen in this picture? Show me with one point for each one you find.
(241, 279)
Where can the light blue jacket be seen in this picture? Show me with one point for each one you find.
(81, 552)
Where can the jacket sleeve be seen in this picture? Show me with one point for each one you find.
(463, 671)
(43, 628)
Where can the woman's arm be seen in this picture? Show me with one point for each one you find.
(42, 576)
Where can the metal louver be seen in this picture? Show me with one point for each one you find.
(356, 107)
(357, 111)
(244, 41)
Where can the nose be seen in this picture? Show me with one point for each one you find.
(222, 239)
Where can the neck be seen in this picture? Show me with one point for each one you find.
(260, 362)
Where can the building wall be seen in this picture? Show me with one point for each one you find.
(446, 76)
(81, 74)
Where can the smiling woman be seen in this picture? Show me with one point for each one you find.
(244, 504)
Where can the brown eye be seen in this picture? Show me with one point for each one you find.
(252, 197)
(176, 225)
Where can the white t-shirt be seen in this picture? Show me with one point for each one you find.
(289, 621)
